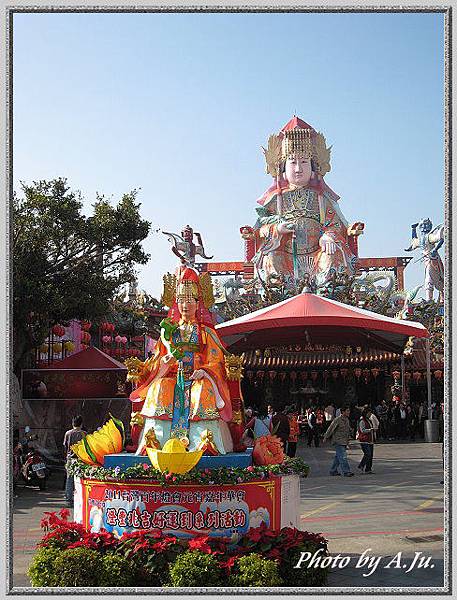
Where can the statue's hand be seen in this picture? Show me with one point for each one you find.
(284, 228)
(198, 374)
(167, 358)
(327, 244)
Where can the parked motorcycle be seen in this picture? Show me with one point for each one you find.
(28, 464)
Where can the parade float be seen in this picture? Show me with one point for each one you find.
(186, 471)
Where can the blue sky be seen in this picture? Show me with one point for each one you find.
(179, 105)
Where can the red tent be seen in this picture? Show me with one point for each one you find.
(312, 319)
(89, 358)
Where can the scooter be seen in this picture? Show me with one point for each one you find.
(28, 464)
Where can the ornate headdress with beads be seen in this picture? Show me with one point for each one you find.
(187, 284)
(297, 138)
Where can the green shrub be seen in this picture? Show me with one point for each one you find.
(42, 570)
(117, 571)
(253, 570)
(304, 576)
(79, 567)
(195, 569)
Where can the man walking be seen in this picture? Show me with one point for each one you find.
(72, 436)
(339, 432)
(313, 428)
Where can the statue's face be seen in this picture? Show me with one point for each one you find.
(187, 307)
(298, 170)
(187, 234)
(425, 226)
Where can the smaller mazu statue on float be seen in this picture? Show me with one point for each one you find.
(301, 230)
(183, 391)
(429, 240)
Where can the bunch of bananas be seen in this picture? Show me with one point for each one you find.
(109, 439)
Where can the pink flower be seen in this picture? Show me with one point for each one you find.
(145, 466)
(250, 468)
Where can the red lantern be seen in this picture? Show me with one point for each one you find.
(86, 325)
(396, 374)
(85, 337)
(58, 330)
(84, 346)
(375, 372)
(358, 373)
(417, 375)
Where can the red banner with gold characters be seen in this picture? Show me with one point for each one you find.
(225, 511)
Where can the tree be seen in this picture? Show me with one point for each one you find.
(67, 265)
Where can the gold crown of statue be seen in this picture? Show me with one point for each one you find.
(198, 287)
(297, 142)
(187, 290)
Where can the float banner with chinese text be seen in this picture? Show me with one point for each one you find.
(183, 510)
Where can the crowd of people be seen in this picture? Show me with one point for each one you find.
(383, 421)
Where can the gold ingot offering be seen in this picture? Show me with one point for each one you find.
(174, 457)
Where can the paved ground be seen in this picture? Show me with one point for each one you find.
(398, 509)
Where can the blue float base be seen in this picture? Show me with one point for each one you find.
(234, 459)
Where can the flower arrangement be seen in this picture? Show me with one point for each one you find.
(153, 559)
(290, 466)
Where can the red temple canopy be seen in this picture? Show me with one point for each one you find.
(90, 358)
(312, 319)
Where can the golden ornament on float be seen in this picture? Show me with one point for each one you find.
(174, 457)
(109, 439)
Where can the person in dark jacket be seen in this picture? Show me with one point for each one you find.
(280, 427)
(72, 436)
(411, 422)
(313, 429)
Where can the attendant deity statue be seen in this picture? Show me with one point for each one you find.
(184, 247)
(301, 229)
(430, 240)
(182, 390)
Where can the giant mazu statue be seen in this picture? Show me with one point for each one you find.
(301, 232)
